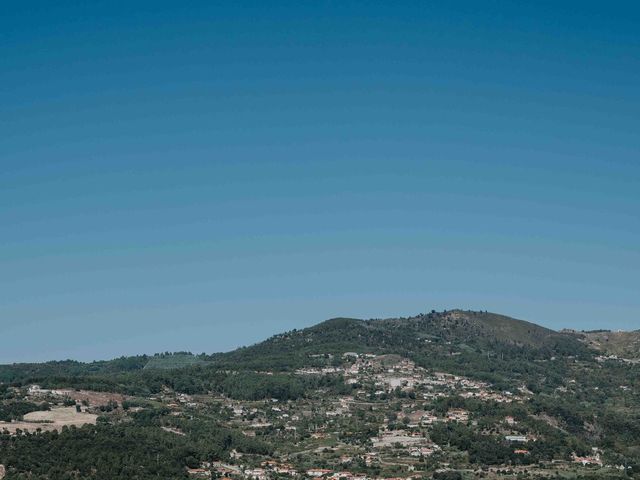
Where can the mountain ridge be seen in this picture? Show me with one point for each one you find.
(430, 338)
(472, 329)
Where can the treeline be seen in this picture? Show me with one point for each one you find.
(15, 410)
(19, 373)
(134, 450)
(242, 385)
(101, 451)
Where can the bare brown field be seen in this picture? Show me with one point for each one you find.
(54, 419)
(93, 398)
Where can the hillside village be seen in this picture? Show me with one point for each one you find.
(508, 400)
(386, 427)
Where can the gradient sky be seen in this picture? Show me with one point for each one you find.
(200, 177)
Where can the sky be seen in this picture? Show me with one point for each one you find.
(201, 175)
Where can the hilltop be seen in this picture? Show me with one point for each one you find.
(433, 335)
(487, 346)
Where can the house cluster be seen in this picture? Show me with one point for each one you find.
(273, 469)
(329, 474)
(389, 372)
(616, 358)
(593, 459)
(421, 418)
(38, 391)
(417, 444)
(269, 469)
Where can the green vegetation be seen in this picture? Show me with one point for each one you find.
(174, 360)
(322, 394)
(17, 409)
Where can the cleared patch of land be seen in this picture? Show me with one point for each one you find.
(50, 420)
(622, 344)
(93, 398)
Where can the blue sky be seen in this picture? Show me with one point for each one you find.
(200, 177)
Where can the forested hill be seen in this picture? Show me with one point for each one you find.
(483, 345)
(435, 334)
(449, 331)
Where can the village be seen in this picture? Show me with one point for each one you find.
(380, 431)
(384, 428)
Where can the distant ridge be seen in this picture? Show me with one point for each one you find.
(427, 334)
(435, 334)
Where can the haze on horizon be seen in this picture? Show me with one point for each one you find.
(200, 178)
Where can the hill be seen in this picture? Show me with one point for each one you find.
(482, 345)
(621, 344)
(411, 394)
(504, 351)
(477, 327)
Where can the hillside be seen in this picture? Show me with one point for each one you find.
(433, 333)
(168, 361)
(477, 327)
(621, 344)
(481, 344)
(473, 391)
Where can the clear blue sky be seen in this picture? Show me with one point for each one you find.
(200, 177)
